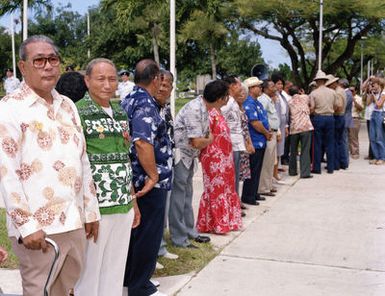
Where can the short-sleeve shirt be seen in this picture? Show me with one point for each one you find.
(255, 112)
(272, 113)
(124, 88)
(192, 121)
(146, 123)
(324, 100)
(232, 114)
(300, 114)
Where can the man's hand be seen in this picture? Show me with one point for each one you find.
(3, 255)
(36, 241)
(279, 138)
(137, 215)
(268, 136)
(250, 148)
(92, 230)
(148, 185)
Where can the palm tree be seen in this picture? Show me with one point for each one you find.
(10, 6)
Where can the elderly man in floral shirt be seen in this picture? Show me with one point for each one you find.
(45, 174)
(151, 158)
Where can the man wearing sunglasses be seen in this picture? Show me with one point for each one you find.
(45, 174)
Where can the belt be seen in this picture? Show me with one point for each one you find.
(326, 114)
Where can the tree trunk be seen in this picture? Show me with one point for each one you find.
(155, 46)
(213, 62)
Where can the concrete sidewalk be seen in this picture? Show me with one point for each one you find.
(323, 236)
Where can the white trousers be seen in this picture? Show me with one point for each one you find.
(106, 259)
(266, 179)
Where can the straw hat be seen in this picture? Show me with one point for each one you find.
(252, 81)
(331, 79)
(320, 76)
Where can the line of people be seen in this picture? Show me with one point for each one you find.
(102, 178)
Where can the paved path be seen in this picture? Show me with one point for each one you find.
(320, 236)
(324, 236)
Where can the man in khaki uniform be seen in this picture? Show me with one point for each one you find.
(322, 104)
(339, 122)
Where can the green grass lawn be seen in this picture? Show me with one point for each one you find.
(12, 261)
(179, 103)
(189, 259)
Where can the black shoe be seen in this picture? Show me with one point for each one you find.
(316, 172)
(243, 214)
(202, 239)
(307, 177)
(243, 207)
(261, 197)
(267, 193)
(252, 203)
(290, 174)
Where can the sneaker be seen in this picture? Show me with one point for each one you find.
(159, 266)
(169, 255)
(157, 293)
(155, 283)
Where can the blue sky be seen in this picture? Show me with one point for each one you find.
(272, 51)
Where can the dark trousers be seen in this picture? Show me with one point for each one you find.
(370, 155)
(323, 132)
(286, 154)
(339, 154)
(305, 139)
(144, 244)
(250, 186)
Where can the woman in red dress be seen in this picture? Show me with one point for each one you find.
(219, 209)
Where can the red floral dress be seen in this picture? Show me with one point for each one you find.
(219, 209)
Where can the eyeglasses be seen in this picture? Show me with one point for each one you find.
(40, 62)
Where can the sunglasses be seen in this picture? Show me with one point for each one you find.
(40, 62)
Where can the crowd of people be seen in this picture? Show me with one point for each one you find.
(104, 177)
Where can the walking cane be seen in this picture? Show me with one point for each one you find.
(57, 252)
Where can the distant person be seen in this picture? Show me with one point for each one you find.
(358, 106)
(125, 86)
(70, 68)
(72, 85)
(300, 131)
(46, 179)
(219, 207)
(11, 83)
(323, 102)
(260, 133)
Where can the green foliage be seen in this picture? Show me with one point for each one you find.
(295, 24)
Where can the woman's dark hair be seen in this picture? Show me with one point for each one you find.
(215, 90)
(294, 90)
(72, 85)
(275, 77)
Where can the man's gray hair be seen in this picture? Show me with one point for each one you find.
(34, 39)
(94, 62)
(344, 82)
(168, 74)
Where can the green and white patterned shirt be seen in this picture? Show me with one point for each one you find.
(108, 145)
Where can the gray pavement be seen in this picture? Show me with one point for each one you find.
(320, 236)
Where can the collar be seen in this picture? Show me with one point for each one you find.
(30, 97)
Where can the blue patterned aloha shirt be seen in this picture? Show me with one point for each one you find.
(255, 112)
(146, 123)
